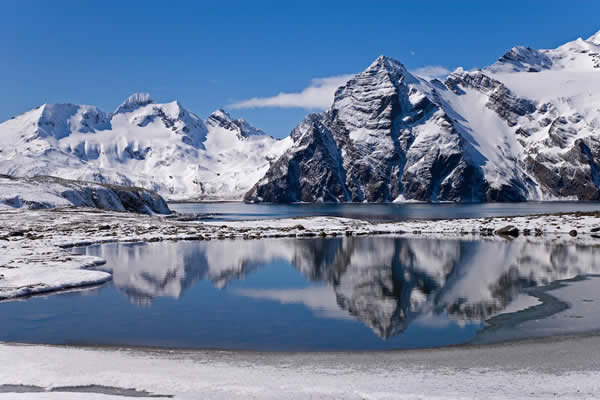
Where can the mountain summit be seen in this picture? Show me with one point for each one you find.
(134, 101)
(162, 147)
(525, 128)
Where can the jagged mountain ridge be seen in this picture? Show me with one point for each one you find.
(162, 147)
(524, 128)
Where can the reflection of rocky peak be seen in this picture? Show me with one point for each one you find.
(387, 282)
(384, 282)
(164, 269)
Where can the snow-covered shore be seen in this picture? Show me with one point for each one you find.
(566, 368)
(34, 255)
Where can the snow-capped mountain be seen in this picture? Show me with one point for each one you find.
(162, 147)
(525, 128)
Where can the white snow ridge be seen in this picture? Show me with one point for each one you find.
(161, 147)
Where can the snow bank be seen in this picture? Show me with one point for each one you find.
(565, 369)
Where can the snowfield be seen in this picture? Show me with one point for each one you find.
(565, 368)
(34, 256)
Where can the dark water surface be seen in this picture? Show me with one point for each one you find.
(350, 293)
(379, 212)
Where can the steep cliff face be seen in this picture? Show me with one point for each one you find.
(525, 128)
(388, 136)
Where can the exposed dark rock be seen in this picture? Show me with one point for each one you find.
(87, 194)
(387, 134)
(509, 230)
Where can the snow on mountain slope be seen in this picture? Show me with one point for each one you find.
(389, 136)
(559, 129)
(162, 147)
(525, 128)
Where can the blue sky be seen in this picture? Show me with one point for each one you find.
(214, 54)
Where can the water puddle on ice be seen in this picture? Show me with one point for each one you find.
(345, 293)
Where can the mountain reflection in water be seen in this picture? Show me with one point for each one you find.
(385, 282)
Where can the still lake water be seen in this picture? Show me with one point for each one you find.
(378, 212)
(347, 293)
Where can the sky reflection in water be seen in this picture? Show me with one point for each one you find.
(289, 294)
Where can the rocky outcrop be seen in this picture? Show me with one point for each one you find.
(240, 127)
(522, 59)
(50, 192)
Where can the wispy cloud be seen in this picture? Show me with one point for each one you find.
(431, 71)
(318, 95)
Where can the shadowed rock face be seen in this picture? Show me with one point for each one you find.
(385, 135)
(495, 134)
(49, 192)
(563, 166)
(574, 173)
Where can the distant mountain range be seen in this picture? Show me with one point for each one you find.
(162, 147)
(524, 128)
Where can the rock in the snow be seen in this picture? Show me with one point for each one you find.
(50, 192)
(509, 230)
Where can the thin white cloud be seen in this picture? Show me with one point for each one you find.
(431, 71)
(318, 95)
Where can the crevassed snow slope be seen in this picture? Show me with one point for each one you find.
(162, 147)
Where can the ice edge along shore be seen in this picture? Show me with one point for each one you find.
(34, 255)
